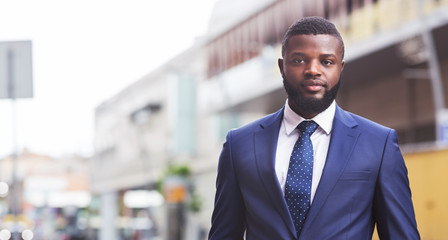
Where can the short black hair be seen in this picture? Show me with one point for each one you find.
(312, 26)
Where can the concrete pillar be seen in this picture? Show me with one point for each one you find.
(109, 213)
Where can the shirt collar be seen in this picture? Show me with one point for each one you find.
(323, 119)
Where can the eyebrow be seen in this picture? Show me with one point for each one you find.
(328, 55)
(325, 55)
(300, 54)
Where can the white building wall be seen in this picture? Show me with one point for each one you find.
(126, 151)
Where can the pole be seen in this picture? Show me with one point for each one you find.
(15, 185)
(434, 70)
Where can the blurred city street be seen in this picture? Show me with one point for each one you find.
(128, 149)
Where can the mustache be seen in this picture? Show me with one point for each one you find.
(312, 81)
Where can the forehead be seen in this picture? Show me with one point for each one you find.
(321, 43)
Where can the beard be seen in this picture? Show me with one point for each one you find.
(311, 105)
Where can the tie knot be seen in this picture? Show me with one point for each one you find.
(307, 127)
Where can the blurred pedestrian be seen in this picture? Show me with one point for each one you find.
(312, 170)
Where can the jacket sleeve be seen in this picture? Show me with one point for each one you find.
(393, 208)
(228, 221)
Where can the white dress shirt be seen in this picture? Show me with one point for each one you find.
(288, 135)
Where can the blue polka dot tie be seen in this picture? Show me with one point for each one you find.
(300, 175)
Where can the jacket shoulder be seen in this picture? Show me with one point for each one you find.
(368, 126)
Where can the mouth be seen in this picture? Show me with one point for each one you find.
(314, 85)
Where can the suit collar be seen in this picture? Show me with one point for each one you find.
(265, 149)
(272, 119)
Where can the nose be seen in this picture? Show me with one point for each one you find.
(313, 69)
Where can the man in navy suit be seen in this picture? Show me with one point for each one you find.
(359, 178)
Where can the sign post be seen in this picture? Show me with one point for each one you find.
(15, 82)
(175, 193)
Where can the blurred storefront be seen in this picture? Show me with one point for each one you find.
(54, 197)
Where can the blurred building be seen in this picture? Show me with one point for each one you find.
(396, 73)
(139, 132)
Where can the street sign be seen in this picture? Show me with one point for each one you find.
(16, 75)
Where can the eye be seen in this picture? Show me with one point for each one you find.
(327, 62)
(297, 61)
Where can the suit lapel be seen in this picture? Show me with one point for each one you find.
(343, 140)
(265, 142)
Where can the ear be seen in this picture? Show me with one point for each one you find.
(280, 65)
(342, 65)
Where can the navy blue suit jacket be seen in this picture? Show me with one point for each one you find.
(364, 182)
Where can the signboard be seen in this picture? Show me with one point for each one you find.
(442, 125)
(16, 76)
(175, 190)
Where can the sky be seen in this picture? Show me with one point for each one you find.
(84, 52)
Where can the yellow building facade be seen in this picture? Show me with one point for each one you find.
(428, 178)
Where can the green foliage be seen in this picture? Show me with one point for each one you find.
(178, 170)
(195, 203)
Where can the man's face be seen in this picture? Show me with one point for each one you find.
(311, 71)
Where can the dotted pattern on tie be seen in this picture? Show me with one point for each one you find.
(300, 174)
